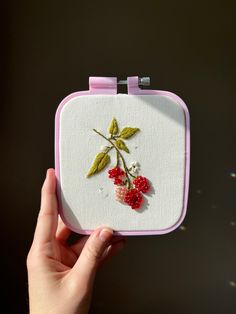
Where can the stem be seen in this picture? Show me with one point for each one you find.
(115, 136)
(117, 159)
(105, 138)
(119, 154)
(108, 149)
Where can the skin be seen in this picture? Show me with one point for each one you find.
(61, 276)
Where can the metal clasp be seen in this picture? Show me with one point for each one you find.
(144, 81)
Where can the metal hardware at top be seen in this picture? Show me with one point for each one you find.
(144, 81)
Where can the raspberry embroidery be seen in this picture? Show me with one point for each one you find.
(120, 192)
(118, 181)
(141, 184)
(115, 172)
(133, 198)
(129, 186)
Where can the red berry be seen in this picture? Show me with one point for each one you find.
(120, 192)
(115, 172)
(141, 183)
(118, 181)
(133, 198)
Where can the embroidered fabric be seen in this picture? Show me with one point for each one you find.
(159, 149)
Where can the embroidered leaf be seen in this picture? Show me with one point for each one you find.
(121, 145)
(100, 162)
(128, 132)
(113, 128)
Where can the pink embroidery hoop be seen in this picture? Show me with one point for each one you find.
(108, 86)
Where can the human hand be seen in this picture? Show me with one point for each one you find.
(61, 276)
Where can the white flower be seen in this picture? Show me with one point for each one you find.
(134, 167)
(134, 164)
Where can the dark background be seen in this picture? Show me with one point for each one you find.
(50, 48)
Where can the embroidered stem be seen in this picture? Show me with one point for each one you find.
(120, 155)
(108, 149)
(117, 159)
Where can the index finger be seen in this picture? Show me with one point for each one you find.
(48, 215)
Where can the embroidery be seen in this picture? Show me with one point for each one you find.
(129, 185)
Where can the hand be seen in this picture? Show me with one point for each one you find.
(61, 277)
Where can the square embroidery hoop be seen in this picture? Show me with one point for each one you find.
(107, 86)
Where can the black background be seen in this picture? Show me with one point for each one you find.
(50, 48)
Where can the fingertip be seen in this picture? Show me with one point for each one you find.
(50, 172)
(105, 234)
(94, 248)
(101, 227)
(49, 185)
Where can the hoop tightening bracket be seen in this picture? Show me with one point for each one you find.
(108, 85)
(144, 81)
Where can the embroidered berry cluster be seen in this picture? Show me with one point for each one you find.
(129, 185)
(131, 196)
(141, 184)
(117, 174)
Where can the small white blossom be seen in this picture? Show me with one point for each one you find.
(134, 167)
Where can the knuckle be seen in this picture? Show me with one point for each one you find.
(32, 259)
(29, 260)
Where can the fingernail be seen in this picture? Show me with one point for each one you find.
(105, 234)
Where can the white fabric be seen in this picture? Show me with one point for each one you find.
(159, 147)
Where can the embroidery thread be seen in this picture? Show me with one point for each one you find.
(129, 185)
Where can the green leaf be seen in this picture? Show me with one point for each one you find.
(128, 132)
(113, 128)
(121, 145)
(100, 162)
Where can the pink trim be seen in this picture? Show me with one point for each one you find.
(102, 85)
(133, 89)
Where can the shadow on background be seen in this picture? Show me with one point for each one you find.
(187, 47)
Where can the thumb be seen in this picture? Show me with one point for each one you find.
(87, 263)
